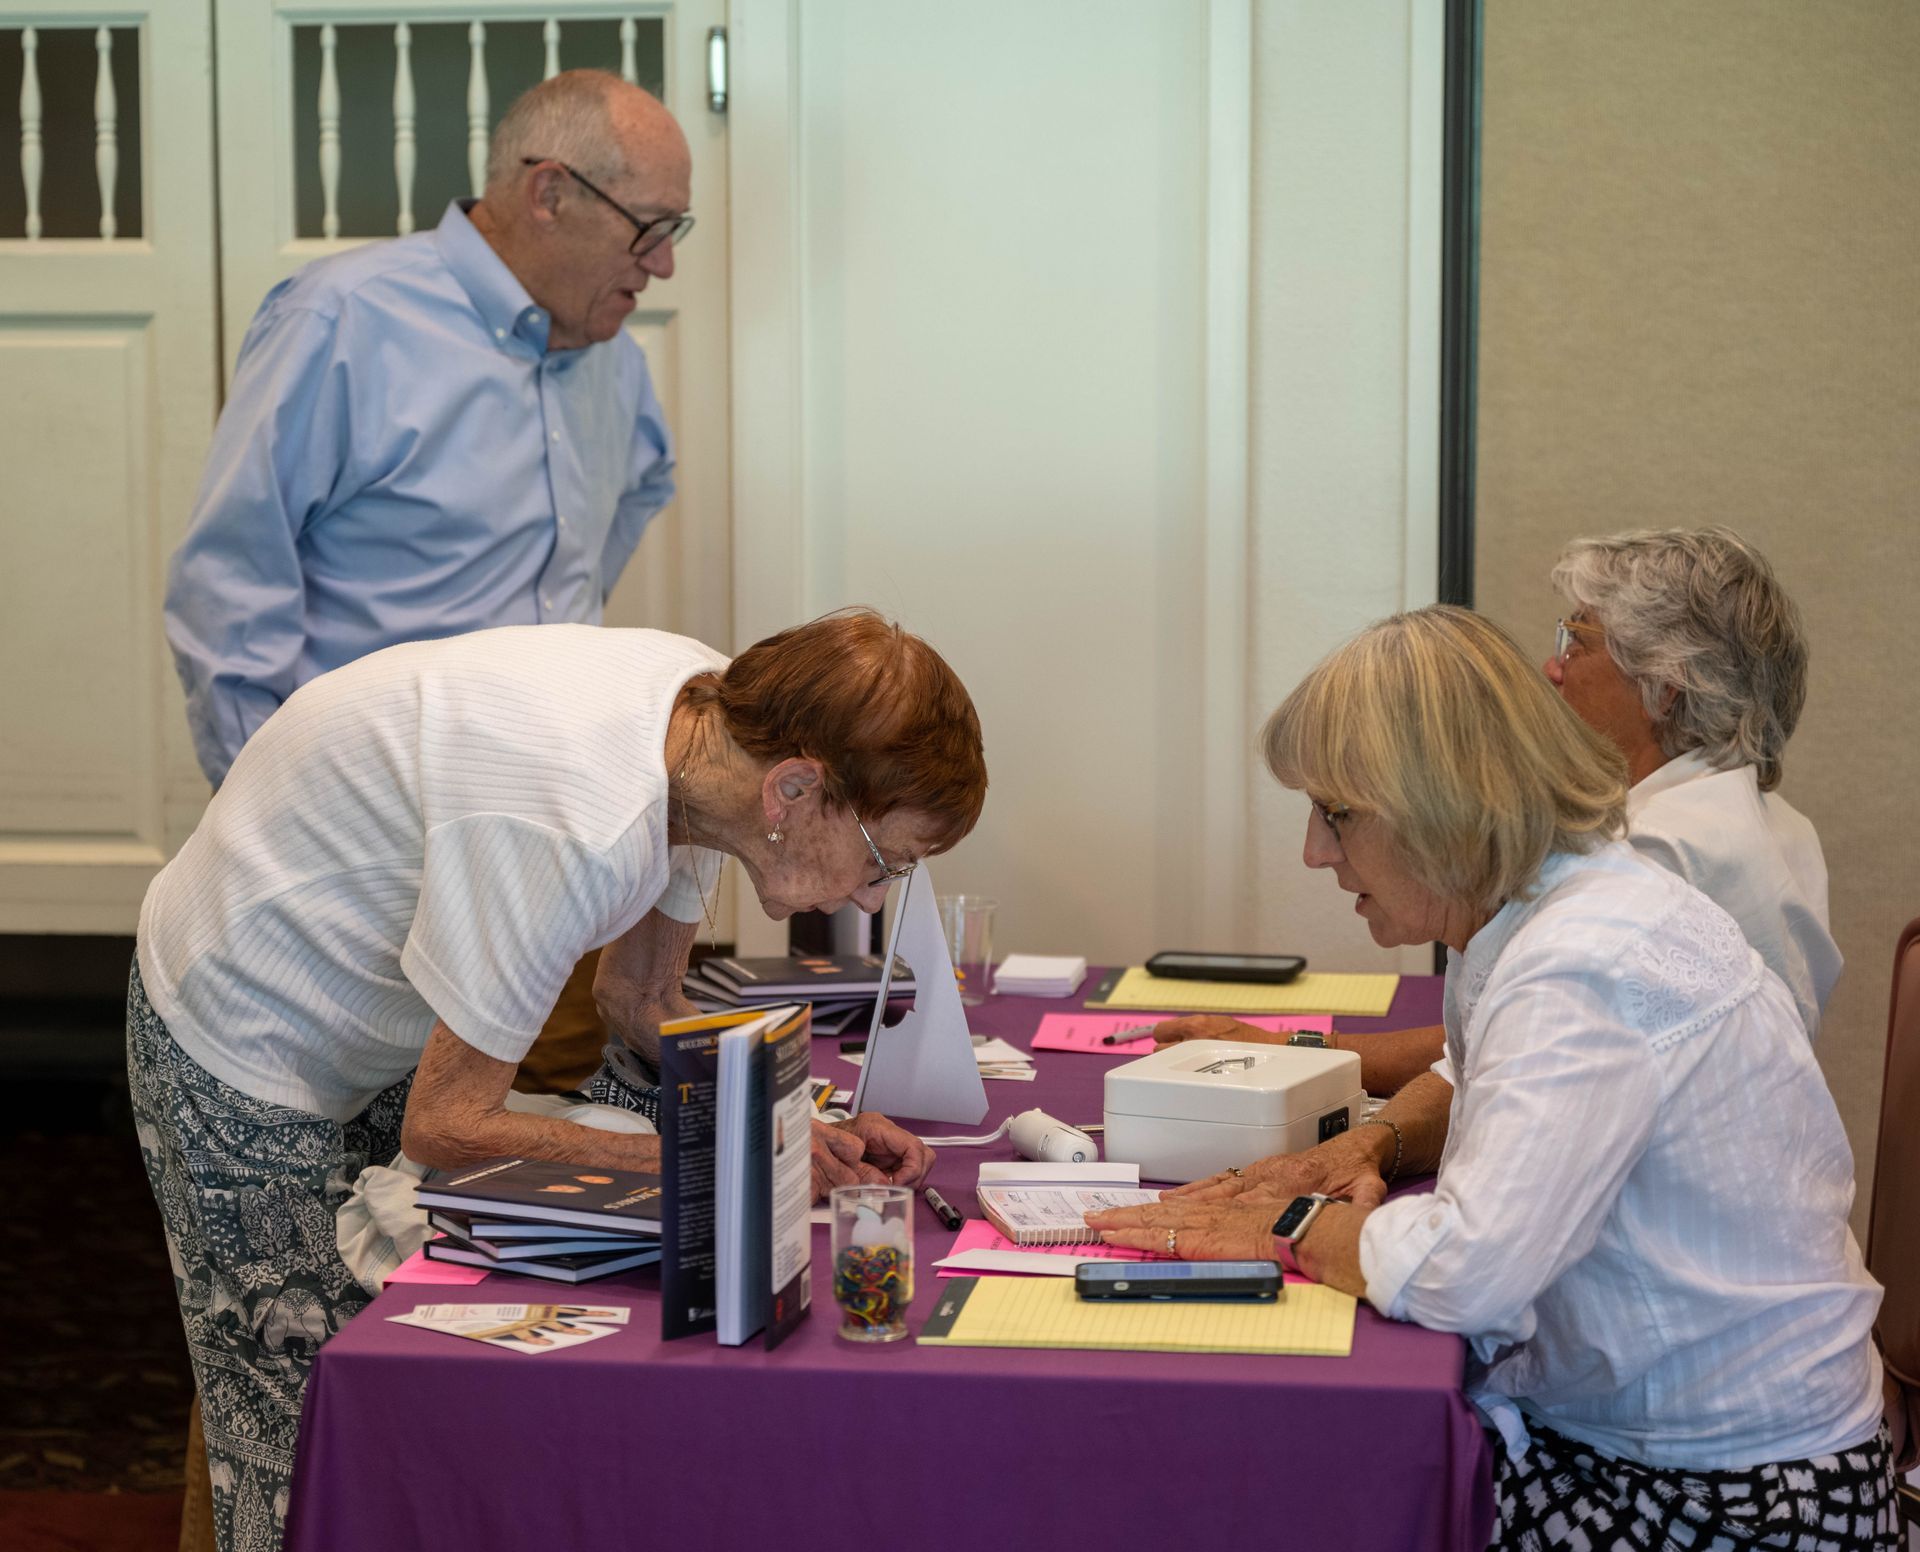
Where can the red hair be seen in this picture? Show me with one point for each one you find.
(888, 720)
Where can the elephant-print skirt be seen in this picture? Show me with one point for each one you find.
(248, 1192)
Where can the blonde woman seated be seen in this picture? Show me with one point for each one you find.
(1640, 1220)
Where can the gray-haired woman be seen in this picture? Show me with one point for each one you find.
(1684, 649)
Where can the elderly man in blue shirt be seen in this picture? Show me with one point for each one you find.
(444, 432)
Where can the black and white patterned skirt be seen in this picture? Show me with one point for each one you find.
(248, 1192)
(1562, 1494)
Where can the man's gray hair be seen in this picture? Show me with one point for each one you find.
(566, 119)
(1698, 611)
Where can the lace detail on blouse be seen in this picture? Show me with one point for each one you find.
(1687, 972)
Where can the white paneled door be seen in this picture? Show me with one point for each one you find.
(990, 376)
(107, 397)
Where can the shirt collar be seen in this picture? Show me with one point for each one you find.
(1680, 769)
(496, 292)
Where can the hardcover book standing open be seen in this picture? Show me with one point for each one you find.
(736, 1143)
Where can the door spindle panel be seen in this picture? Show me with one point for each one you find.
(329, 134)
(30, 150)
(403, 147)
(550, 35)
(106, 134)
(477, 109)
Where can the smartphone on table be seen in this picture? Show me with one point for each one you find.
(1258, 1281)
(1272, 969)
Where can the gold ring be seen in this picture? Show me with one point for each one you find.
(1172, 1235)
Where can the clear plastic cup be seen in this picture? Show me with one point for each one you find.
(872, 1260)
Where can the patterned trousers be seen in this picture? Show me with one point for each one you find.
(248, 1192)
(1560, 1494)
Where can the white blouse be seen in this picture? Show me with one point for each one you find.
(1640, 1220)
(1755, 856)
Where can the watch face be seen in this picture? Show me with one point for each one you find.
(1313, 1038)
(1297, 1212)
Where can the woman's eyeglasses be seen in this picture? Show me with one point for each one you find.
(887, 874)
(1332, 815)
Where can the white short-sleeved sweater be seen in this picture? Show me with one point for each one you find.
(441, 828)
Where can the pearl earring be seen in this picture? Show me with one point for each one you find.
(774, 836)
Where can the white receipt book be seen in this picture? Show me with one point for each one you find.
(1047, 1204)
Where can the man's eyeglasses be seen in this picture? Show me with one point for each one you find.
(887, 875)
(647, 235)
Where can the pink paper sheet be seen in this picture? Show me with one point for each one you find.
(978, 1234)
(449, 1274)
(1085, 1031)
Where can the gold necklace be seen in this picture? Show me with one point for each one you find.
(686, 823)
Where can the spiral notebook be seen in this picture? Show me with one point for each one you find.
(1053, 1215)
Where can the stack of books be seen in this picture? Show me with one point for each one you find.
(841, 987)
(1040, 975)
(568, 1223)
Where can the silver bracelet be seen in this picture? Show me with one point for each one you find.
(1398, 1142)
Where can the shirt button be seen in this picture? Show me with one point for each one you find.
(545, 601)
(556, 436)
(559, 520)
(499, 333)
(1433, 1220)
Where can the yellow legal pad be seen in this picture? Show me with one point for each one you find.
(1360, 996)
(1045, 1312)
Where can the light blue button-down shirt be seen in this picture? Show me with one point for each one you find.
(401, 458)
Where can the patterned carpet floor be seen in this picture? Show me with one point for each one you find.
(94, 1381)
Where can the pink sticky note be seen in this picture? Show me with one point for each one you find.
(1086, 1032)
(418, 1269)
(978, 1234)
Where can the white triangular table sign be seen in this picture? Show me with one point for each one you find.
(923, 1066)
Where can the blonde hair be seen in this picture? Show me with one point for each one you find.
(1698, 613)
(1435, 723)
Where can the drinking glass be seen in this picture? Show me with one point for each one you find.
(967, 921)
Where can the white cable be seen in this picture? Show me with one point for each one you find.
(970, 1142)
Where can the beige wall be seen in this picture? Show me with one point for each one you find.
(1700, 302)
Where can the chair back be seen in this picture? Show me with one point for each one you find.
(1893, 1222)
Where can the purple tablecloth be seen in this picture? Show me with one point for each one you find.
(418, 1440)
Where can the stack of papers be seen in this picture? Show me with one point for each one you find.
(1040, 975)
(996, 1058)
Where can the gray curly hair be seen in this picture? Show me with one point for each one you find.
(1698, 612)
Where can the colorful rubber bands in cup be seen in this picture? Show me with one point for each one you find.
(873, 1285)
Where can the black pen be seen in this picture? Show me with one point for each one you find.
(942, 1209)
(1122, 1036)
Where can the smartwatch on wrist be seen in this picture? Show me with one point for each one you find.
(1298, 1216)
(1307, 1037)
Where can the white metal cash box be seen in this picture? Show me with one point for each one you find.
(1196, 1108)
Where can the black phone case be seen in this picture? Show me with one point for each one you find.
(1283, 969)
(1239, 1289)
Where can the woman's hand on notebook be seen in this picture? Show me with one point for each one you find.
(1192, 1231)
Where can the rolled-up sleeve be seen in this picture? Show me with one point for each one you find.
(1555, 1105)
(236, 599)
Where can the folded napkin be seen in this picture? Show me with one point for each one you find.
(1040, 975)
